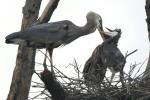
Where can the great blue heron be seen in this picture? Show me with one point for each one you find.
(111, 55)
(52, 35)
(105, 55)
(94, 69)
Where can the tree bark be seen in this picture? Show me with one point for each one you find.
(48, 11)
(54, 87)
(24, 68)
(23, 71)
(147, 9)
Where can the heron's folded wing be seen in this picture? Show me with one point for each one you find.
(43, 34)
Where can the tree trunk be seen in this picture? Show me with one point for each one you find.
(24, 68)
(23, 71)
(147, 9)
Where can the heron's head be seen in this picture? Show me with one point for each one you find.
(118, 30)
(94, 19)
(112, 33)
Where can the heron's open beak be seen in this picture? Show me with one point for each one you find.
(111, 34)
(100, 29)
(109, 29)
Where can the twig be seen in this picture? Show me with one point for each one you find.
(140, 68)
(128, 54)
(38, 95)
(44, 54)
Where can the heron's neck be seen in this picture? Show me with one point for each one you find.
(88, 28)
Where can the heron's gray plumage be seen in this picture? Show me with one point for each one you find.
(94, 69)
(43, 33)
(106, 55)
(112, 56)
(55, 33)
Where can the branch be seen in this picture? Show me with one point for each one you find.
(26, 56)
(121, 71)
(128, 54)
(147, 9)
(48, 11)
(23, 71)
(53, 86)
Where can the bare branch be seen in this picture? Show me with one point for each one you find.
(53, 86)
(48, 11)
(128, 54)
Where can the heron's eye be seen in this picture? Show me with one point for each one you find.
(65, 27)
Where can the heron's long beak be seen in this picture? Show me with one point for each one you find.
(109, 29)
(100, 29)
(111, 34)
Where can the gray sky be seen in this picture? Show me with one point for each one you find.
(129, 15)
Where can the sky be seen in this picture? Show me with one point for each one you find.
(129, 15)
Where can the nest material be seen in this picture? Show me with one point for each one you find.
(135, 88)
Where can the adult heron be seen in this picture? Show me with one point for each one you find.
(54, 34)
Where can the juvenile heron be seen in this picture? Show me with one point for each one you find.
(94, 70)
(105, 55)
(111, 55)
(54, 34)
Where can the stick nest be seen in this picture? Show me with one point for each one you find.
(135, 87)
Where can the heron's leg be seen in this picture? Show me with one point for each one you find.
(44, 63)
(50, 50)
(51, 60)
(112, 76)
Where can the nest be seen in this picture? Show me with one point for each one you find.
(134, 86)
